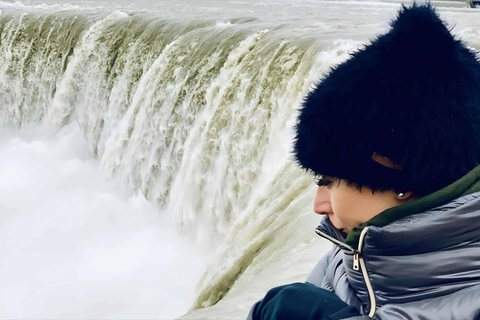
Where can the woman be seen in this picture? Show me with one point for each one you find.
(393, 134)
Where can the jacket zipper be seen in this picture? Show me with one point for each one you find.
(357, 263)
(341, 245)
(366, 278)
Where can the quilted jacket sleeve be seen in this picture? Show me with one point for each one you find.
(322, 275)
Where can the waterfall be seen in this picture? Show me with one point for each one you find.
(195, 114)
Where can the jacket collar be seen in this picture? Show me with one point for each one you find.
(423, 256)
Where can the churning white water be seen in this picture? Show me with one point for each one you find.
(73, 246)
(190, 104)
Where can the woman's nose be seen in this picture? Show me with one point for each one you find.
(321, 204)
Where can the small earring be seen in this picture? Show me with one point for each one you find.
(403, 195)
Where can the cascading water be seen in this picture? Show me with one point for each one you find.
(195, 112)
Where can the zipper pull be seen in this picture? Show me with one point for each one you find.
(356, 258)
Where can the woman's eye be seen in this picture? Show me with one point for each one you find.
(322, 181)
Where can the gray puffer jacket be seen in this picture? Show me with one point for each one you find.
(420, 260)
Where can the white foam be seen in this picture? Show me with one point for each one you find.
(223, 23)
(44, 6)
(72, 246)
(16, 4)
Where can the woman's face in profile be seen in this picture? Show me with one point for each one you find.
(346, 206)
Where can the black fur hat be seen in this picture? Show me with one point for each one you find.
(412, 95)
